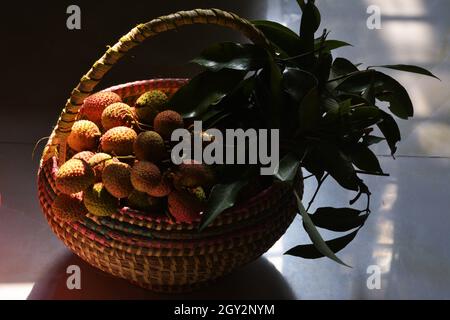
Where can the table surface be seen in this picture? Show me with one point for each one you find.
(406, 236)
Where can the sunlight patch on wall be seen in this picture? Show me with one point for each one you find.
(400, 7)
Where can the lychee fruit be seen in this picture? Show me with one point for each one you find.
(185, 207)
(99, 201)
(150, 146)
(116, 178)
(193, 174)
(155, 203)
(163, 189)
(199, 193)
(84, 136)
(117, 115)
(145, 176)
(166, 122)
(69, 208)
(74, 176)
(84, 155)
(94, 105)
(143, 202)
(118, 141)
(98, 163)
(149, 104)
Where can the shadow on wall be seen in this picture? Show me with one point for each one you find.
(258, 280)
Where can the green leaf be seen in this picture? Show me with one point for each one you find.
(311, 252)
(409, 68)
(287, 168)
(321, 247)
(204, 90)
(282, 37)
(365, 159)
(297, 83)
(369, 92)
(390, 130)
(312, 163)
(222, 197)
(309, 110)
(399, 101)
(338, 219)
(362, 117)
(370, 140)
(330, 45)
(354, 98)
(276, 88)
(335, 162)
(359, 81)
(234, 56)
(324, 67)
(342, 67)
(301, 4)
(385, 87)
(310, 21)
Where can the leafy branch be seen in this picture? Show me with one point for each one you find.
(325, 107)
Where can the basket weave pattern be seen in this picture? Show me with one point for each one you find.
(149, 249)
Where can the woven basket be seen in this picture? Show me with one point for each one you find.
(150, 250)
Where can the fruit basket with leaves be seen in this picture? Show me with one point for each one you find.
(111, 193)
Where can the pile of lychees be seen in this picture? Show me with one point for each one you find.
(122, 159)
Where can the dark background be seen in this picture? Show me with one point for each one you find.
(43, 60)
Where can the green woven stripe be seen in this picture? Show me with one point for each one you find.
(95, 227)
(128, 228)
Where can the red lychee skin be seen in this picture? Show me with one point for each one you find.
(184, 207)
(84, 155)
(117, 115)
(94, 105)
(118, 141)
(163, 189)
(145, 176)
(84, 136)
(69, 208)
(166, 122)
(193, 174)
(117, 179)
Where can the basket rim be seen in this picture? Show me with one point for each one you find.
(245, 210)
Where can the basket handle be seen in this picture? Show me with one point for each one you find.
(134, 38)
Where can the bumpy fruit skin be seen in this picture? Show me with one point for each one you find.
(149, 146)
(163, 189)
(94, 105)
(118, 141)
(117, 115)
(166, 122)
(185, 207)
(98, 163)
(99, 201)
(84, 136)
(193, 174)
(199, 193)
(69, 208)
(116, 178)
(74, 176)
(149, 105)
(84, 155)
(143, 202)
(145, 176)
